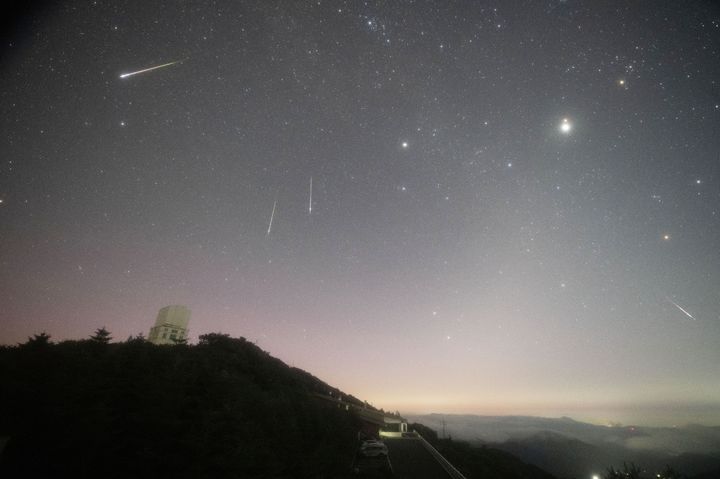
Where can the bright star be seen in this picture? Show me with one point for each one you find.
(666, 237)
(565, 126)
(405, 145)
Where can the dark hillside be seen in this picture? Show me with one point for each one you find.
(222, 408)
(219, 409)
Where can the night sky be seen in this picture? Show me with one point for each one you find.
(515, 205)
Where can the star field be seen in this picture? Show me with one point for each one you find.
(510, 200)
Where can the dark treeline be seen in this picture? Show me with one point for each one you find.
(221, 408)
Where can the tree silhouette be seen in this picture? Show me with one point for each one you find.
(38, 340)
(634, 472)
(631, 472)
(670, 473)
(138, 337)
(101, 335)
(215, 338)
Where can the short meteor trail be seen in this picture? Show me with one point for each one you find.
(125, 75)
(680, 308)
(310, 203)
(272, 215)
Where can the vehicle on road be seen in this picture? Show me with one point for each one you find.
(373, 448)
(372, 461)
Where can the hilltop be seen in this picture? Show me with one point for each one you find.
(221, 408)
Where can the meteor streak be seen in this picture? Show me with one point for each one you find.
(310, 202)
(125, 75)
(680, 308)
(272, 215)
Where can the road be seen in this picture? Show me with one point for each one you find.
(410, 459)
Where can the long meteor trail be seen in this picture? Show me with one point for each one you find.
(681, 308)
(310, 202)
(272, 215)
(125, 75)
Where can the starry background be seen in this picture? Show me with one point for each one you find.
(465, 252)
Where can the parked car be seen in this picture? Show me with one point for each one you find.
(373, 448)
(372, 460)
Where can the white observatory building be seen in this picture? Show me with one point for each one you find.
(171, 325)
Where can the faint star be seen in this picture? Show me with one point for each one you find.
(405, 145)
(698, 181)
(122, 123)
(666, 237)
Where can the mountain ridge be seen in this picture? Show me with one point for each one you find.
(570, 448)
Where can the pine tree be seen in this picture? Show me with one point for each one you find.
(101, 335)
(38, 340)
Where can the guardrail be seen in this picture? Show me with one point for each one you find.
(449, 468)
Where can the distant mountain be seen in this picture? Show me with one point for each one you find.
(572, 458)
(569, 448)
(481, 461)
